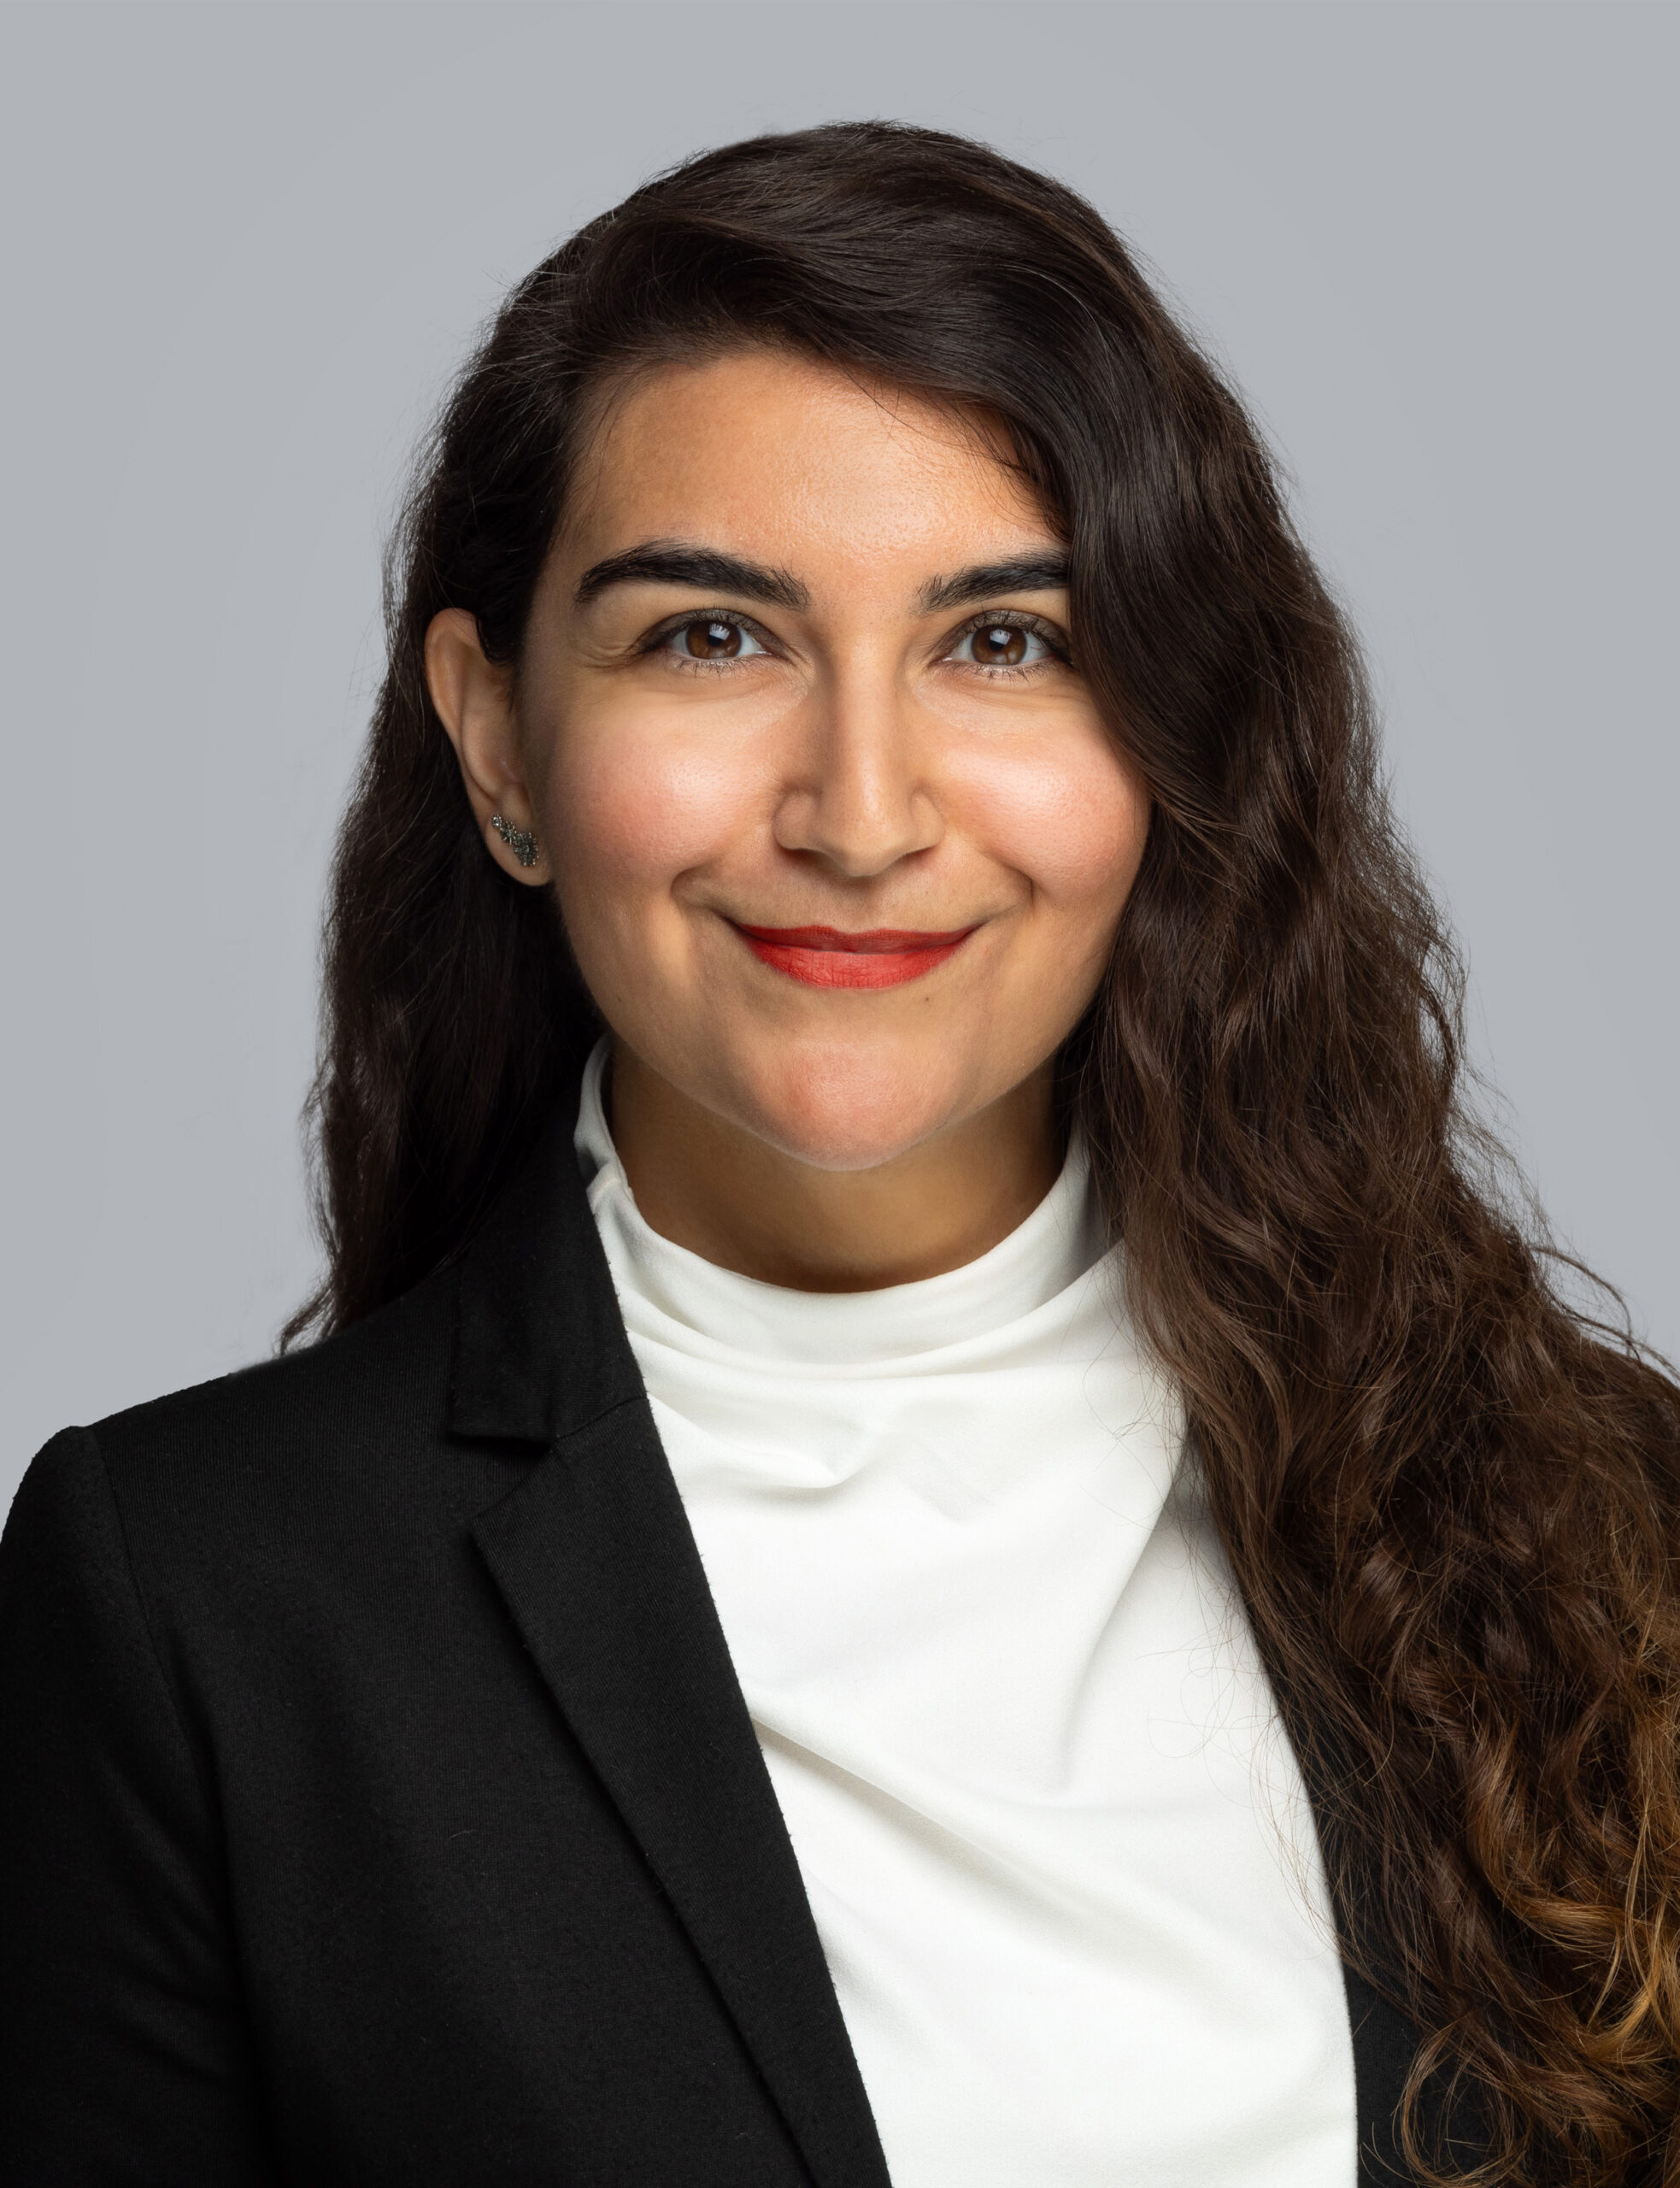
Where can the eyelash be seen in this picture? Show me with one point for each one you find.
(1011, 619)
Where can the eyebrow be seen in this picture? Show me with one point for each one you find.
(707, 569)
(1046, 573)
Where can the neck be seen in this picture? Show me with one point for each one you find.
(708, 1186)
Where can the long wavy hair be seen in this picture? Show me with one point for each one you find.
(1449, 1498)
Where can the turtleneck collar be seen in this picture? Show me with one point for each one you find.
(715, 1313)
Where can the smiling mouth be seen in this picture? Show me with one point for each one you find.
(828, 958)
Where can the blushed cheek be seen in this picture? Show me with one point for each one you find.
(629, 817)
(1074, 825)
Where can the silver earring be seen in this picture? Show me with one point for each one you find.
(522, 844)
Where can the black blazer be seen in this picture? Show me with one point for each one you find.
(380, 1802)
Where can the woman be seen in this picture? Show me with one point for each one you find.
(935, 1532)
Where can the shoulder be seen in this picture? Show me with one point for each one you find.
(351, 1473)
(382, 1377)
(273, 1478)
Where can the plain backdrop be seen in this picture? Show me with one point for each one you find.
(244, 247)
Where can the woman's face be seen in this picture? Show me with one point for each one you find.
(840, 839)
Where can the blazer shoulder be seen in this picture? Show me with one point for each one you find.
(317, 1455)
(386, 1375)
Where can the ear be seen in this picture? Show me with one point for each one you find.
(475, 701)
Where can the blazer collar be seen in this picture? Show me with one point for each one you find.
(540, 1348)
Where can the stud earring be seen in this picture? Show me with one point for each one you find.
(522, 844)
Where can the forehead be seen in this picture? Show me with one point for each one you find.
(786, 459)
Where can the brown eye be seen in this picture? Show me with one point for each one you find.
(1001, 645)
(713, 641)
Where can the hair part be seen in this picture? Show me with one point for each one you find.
(1448, 1499)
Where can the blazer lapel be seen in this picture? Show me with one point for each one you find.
(1385, 2042)
(593, 1554)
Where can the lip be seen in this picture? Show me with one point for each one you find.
(829, 957)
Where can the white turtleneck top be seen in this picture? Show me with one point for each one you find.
(1057, 1847)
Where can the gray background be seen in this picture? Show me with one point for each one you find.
(245, 246)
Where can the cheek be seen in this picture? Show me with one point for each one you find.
(628, 814)
(1071, 819)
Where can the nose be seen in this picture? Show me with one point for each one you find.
(858, 797)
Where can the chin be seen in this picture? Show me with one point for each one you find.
(852, 1106)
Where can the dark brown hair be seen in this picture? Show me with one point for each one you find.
(1450, 1500)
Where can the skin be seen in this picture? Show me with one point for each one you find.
(860, 757)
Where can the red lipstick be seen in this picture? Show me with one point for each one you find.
(827, 957)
